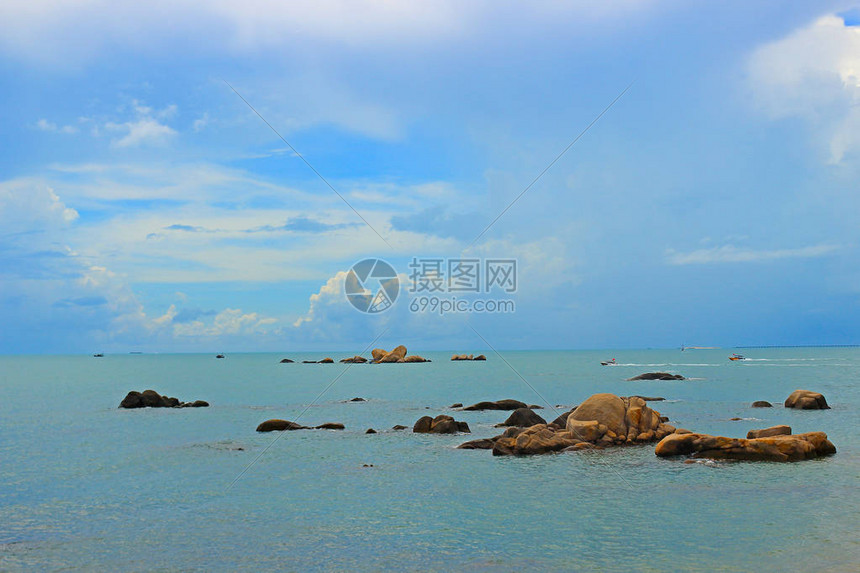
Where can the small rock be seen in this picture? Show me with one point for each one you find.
(286, 361)
(735, 419)
(354, 360)
(523, 418)
(330, 426)
(497, 405)
(441, 424)
(762, 404)
(370, 431)
(279, 426)
(326, 361)
(358, 400)
(398, 427)
(456, 405)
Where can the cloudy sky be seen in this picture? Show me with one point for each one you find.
(144, 206)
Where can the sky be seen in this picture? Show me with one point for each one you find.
(144, 206)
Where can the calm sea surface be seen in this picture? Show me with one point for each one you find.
(84, 485)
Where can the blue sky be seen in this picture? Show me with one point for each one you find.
(144, 206)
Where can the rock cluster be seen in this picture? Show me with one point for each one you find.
(497, 405)
(441, 424)
(381, 356)
(468, 357)
(778, 448)
(806, 400)
(286, 425)
(152, 399)
(354, 360)
(657, 376)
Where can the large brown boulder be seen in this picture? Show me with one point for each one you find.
(394, 355)
(354, 360)
(479, 357)
(279, 426)
(523, 418)
(326, 361)
(806, 400)
(498, 405)
(413, 358)
(462, 357)
(441, 424)
(539, 439)
(378, 353)
(782, 448)
(768, 432)
(607, 409)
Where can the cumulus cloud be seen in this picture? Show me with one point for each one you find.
(814, 74)
(142, 131)
(732, 254)
(45, 125)
(230, 321)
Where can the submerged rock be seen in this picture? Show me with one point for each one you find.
(762, 404)
(279, 426)
(657, 376)
(806, 400)
(330, 426)
(357, 399)
(780, 448)
(441, 424)
(286, 361)
(497, 405)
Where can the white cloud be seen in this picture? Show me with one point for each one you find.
(142, 131)
(200, 123)
(732, 254)
(230, 321)
(45, 125)
(814, 74)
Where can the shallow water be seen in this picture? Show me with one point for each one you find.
(84, 485)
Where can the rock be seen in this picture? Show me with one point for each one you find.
(394, 355)
(497, 405)
(480, 357)
(414, 358)
(330, 426)
(535, 407)
(456, 405)
(762, 404)
(441, 424)
(398, 427)
(377, 354)
(523, 418)
(657, 376)
(768, 432)
(370, 431)
(538, 439)
(561, 421)
(608, 409)
(355, 360)
(358, 400)
(482, 444)
(279, 426)
(781, 448)
(326, 361)
(309, 361)
(286, 361)
(735, 419)
(152, 399)
(806, 400)
(462, 357)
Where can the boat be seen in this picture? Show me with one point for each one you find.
(98, 355)
(737, 357)
(220, 356)
(608, 362)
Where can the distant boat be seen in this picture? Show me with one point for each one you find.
(737, 357)
(220, 356)
(98, 355)
(135, 352)
(608, 362)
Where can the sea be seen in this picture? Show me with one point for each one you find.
(85, 485)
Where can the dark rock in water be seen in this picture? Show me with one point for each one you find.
(664, 419)
(479, 357)
(781, 448)
(286, 361)
(326, 361)
(535, 407)
(279, 426)
(398, 427)
(370, 431)
(330, 426)
(441, 424)
(657, 376)
(762, 404)
(367, 465)
(152, 399)
(482, 444)
(523, 418)
(497, 405)
(358, 400)
(769, 432)
(652, 398)
(806, 400)
(220, 356)
(735, 419)
(309, 361)
(355, 360)
(456, 405)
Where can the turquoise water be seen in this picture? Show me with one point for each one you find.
(84, 485)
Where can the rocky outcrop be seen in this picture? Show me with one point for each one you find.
(523, 418)
(561, 420)
(780, 448)
(602, 420)
(497, 405)
(152, 399)
(354, 360)
(393, 356)
(357, 399)
(468, 357)
(441, 424)
(762, 404)
(279, 426)
(330, 426)
(286, 361)
(413, 358)
(479, 357)
(657, 376)
(377, 354)
(768, 432)
(806, 400)
(326, 361)
(399, 427)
